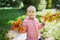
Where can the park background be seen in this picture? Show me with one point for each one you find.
(11, 10)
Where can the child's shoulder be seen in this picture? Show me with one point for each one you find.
(36, 19)
(25, 20)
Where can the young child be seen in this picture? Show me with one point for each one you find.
(32, 25)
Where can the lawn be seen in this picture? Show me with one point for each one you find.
(9, 14)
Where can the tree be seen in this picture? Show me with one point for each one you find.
(31, 2)
(9, 3)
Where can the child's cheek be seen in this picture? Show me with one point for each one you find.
(28, 14)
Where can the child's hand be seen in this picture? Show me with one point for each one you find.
(43, 23)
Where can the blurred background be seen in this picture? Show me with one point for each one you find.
(11, 10)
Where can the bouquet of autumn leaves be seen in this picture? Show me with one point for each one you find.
(17, 25)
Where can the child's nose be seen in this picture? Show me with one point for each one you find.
(30, 12)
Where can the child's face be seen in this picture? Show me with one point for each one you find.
(31, 13)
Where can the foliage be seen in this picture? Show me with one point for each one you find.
(52, 27)
(49, 3)
(31, 2)
(51, 30)
(54, 3)
(9, 3)
(26, 3)
(52, 17)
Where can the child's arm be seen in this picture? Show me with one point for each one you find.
(25, 25)
(41, 25)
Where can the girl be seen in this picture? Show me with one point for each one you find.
(32, 25)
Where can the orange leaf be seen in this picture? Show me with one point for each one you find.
(14, 28)
(19, 21)
(22, 29)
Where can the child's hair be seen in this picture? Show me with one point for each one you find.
(33, 7)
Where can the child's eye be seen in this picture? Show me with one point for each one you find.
(32, 11)
(29, 11)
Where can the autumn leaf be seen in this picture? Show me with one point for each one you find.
(51, 17)
(22, 29)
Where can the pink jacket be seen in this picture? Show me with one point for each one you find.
(32, 28)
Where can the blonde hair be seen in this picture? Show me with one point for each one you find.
(31, 7)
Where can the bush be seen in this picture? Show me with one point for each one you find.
(31, 2)
(9, 3)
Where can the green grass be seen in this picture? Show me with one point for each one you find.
(9, 14)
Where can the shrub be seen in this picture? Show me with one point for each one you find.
(31, 2)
